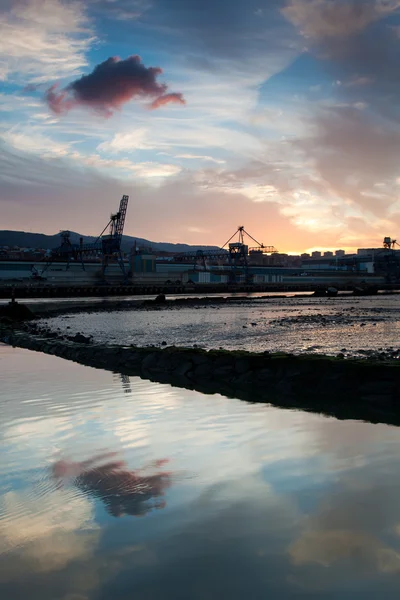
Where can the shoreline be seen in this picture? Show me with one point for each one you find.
(343, 388)
(45, 310)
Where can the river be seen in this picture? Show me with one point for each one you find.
(115, 487)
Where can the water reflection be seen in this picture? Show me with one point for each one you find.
(125, 382)
(123, 492)
(267, 503)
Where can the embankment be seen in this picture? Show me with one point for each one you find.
(359, 389)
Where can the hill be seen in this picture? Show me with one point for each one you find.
(25, 239)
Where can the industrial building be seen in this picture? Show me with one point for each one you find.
(242, 260)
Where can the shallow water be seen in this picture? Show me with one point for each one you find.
(260, 502)
(351, 323)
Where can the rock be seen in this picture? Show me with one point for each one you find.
(79, 338)
(224, 360)
(244, 381)
(376, 388)
(132, 362)
(16, 312)
(378, 399)
(150, 361)
(203, 370)
(6, 321)
(223, 372)
(284, 387)
(242, 365)
(265, 375)
(199, 359)
(183, 368)
(163, 343)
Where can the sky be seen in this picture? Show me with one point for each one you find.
(279, 115)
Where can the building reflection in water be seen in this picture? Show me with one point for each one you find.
(123, 492)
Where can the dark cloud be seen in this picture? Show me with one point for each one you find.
(112, 84)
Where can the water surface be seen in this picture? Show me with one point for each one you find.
(276, 324)
(258, 502)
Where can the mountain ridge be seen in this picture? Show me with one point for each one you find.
(24, 239)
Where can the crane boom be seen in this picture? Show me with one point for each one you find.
(123, 206)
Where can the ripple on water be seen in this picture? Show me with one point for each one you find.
(253, 500)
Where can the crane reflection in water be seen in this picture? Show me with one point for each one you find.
(123, 492)
(125, 382)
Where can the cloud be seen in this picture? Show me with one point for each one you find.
(125, 167)
(352, 153)
(31, 141)
(127, 142)
(210, 30)
(201, 157)
(42, 39)
(357, 44)
(329, 546)
(168, 99)
(71, 193)
(112, 84)
(123, 10)
(354, 524)
(48, 532)
(320, 19)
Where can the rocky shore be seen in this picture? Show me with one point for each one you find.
(361, 389)
(160, 302)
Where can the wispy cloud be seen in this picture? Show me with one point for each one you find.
(319, 19)
(126, 142)
(123, 10)
(291, 116)
(31, 141)
(43, 39)
(201, 157)
(147, 170)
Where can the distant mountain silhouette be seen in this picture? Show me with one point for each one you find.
(25, 239)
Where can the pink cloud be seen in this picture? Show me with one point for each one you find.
(112, 84)
(167, 99)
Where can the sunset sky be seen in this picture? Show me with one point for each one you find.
(279, 115)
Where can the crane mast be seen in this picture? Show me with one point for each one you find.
(108, 245)
(111, 243)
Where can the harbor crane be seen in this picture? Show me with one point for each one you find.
(111, 243)
(389, 261)
(389, 243)
(235, 253)
(239, 251)
(106, 245)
